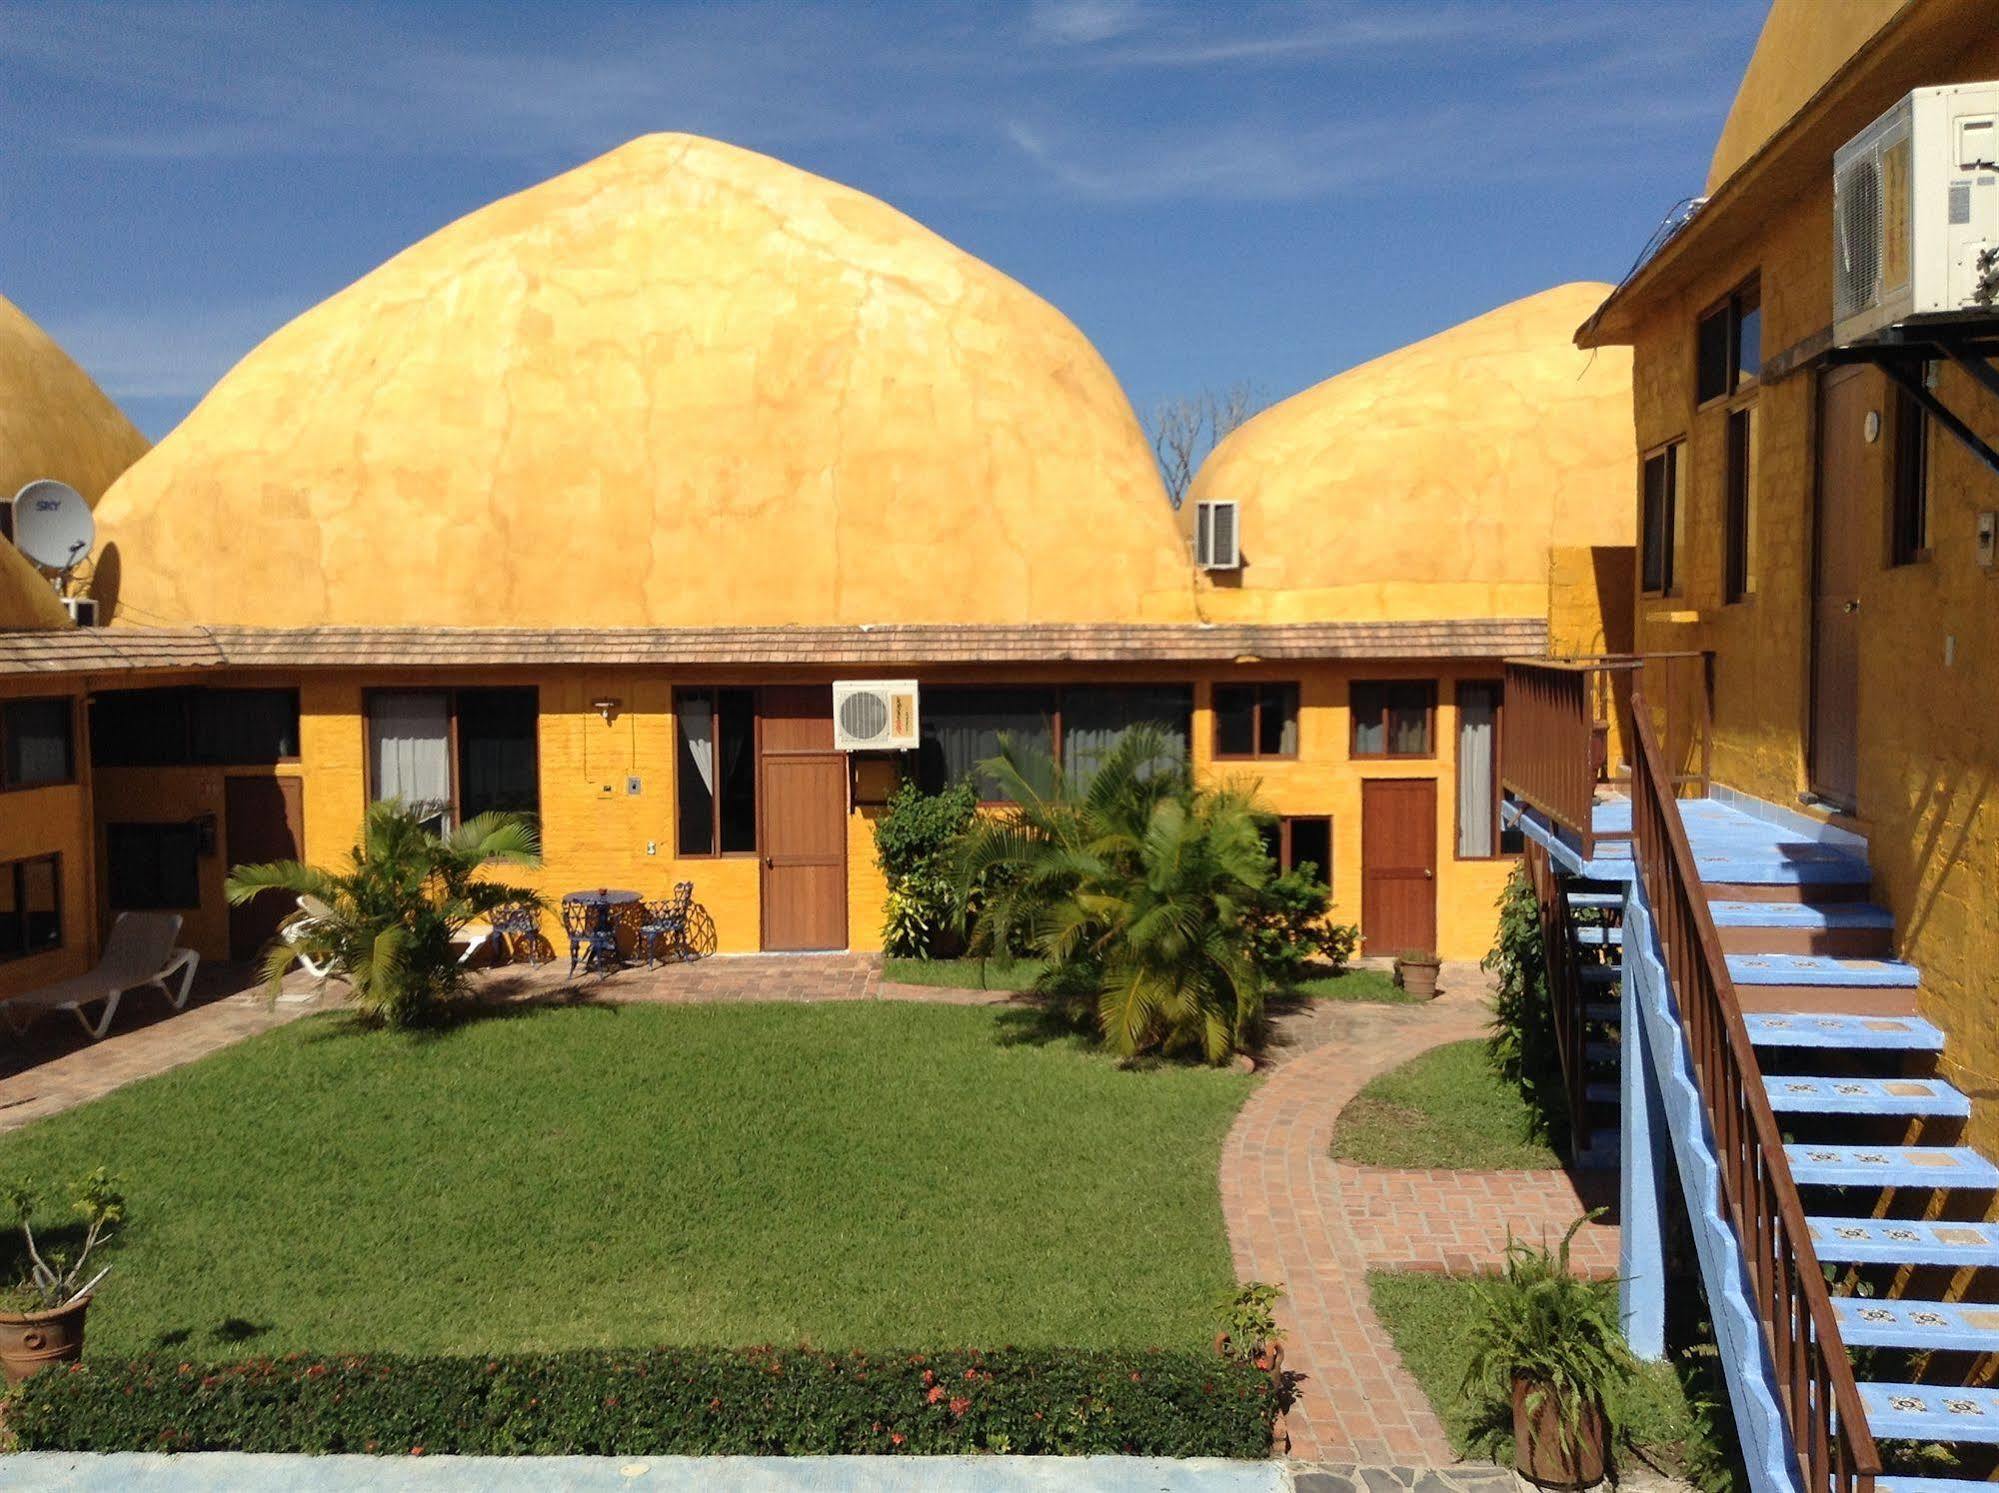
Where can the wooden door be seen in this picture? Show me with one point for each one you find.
(1398, 864)
(1847, 472)
(266, 822)
(802, 787)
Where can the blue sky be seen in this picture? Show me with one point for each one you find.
(1214, 192)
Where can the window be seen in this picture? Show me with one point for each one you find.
(1480, 836)
(186, 727)
(715, 771)
(1077, 724)
(1909, 513)
(1739, 557)
(1661, 520)
(153, 867)
(36, 747)
(455, 753)
(1728, 345)
(30, 906)
(1256, 720)
(1295, 841)
(1391, 717)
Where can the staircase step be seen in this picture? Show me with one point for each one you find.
(1600, 1052)
(1598, 937)
(1791, 1094)
(1896, 1241)
(1604, 900)
(1891, 1166)
(1931, 1412)
(1846, 930)
(1842, 1033)
(1952, 1326)
(1813, 915)
(1889, 1483)
(1599, 976)
(1608, 1012)
(1602, 1093)
(1821, 970)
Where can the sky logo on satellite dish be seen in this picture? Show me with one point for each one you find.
(53, 526)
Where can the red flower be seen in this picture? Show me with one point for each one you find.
(896, 1438)
(936, 1394)
(1134, 1376)
(715, 1404)
(929, 1376)
(416, 1451)
(960, 1405)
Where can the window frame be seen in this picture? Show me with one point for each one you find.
(1909, 481)
(1744, 297)
(1428, 754)
(714, 692)
(1499, 851)
(1256, 752)
(72, 776)
(17, 869)
(1057, 694)
(451, 693)
(1738, 490)
(1673, 453)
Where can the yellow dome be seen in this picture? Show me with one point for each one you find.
(681, 385)
(1433, 481)
(54, 422)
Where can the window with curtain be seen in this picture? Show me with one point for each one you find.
(961, 727)
(498, 751)
(1391, 717)
(36, 748)
(715, 771)
(1480, 836)
(30, 906)
(409, 750)
(1256, 720)
(1092, 718)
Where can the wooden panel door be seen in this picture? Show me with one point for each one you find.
(1398, 864)
(1848, 471)
(266, 822)
(805, 850)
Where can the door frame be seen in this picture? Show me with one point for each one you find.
(1813, 782)
(1434, 784)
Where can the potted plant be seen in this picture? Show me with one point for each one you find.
(1547, 1343)
(1416, 972)
(41, 1319)
(1249, 1326)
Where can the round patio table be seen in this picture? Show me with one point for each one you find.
(603, 906)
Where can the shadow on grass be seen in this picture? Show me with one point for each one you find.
(230, 1332)
(1035, 1021)
(500, 1001)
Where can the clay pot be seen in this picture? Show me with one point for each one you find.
(1547, 1452)
(1418, 977)
(31, 1341)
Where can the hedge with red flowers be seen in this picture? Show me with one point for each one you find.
(670, 1401)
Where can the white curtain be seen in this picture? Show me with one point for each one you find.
(697, 735)
(411, 747)
(1476, 718)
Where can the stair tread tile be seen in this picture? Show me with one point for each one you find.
(1951, 1326)
(1602, 1093)
(1890, 1166)
(1931, 1412)
(1600, 1052)
(1602, 1011)
(1797, 1094)
(1896, 1241)
(1600, 975)
(1821, 969)
(1814, 915)
(1836, 1030)
(1604, 900)
(1596, 936)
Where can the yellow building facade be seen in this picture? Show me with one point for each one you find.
(1822, 538)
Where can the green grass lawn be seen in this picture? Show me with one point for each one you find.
(1447, 1108)
(1355, 985)
(1426, 1316)
(963, 974)
(851, 1175)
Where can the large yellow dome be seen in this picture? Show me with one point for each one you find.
(1433, 481)
(54, 422)
(683, 384)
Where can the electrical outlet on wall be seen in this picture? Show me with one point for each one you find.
(633, 785)
(652, 847)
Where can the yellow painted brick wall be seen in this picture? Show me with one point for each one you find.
(52, 821)
(1929, 659)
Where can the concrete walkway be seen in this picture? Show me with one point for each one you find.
(226, 1472)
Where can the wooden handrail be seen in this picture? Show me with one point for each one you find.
(1816, 1390)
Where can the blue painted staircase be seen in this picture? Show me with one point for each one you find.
(1896, 1203)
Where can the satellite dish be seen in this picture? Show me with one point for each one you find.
(53, 526)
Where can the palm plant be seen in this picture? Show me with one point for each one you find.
(387, 920)
(1133, 884)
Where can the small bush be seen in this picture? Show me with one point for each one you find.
(664, 1402)
(1522, 1044)
(1288, 932)
(912, 842)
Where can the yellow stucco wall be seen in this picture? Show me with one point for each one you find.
(1498, 433)
(683, 384)
(1928, 748)
(52, 821)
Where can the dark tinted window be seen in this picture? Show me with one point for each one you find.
(35, 743)
(1711, 356)
(1095, 716)
(1312, 843)
(496, 752)
(715, 771)
(233, 727)
(1391, 717)
(153, 866)
(960, 728)
(1661, 519)
(1235, 720)
(1256, 720)
(139, 728)
(30, 906)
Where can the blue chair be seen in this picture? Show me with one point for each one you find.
(593, 937)
(519, 929)
(664, 924)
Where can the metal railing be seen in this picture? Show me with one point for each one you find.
(1815, 1384)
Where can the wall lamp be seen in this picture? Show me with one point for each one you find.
(606, 707)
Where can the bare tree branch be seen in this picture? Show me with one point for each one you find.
(1185, 430)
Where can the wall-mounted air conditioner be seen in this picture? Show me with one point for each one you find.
(1217, 536)
(82, 610)
(1915, 206)
(874, 715)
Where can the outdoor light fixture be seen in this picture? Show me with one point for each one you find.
(606, 707)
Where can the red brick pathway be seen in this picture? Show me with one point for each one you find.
(1297, 1216)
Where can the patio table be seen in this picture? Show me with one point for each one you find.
(602, 908)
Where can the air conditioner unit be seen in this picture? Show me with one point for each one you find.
(1915, 204)
(82, 610)
(1217, 536)
(874, 715)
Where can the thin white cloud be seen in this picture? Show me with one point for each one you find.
(1083, 22)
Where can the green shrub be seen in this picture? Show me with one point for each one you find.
(913, 839)
(1288, 931)
(663, 1402)
(1522, 1044)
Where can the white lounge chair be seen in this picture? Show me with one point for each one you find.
(475, 936)
(140, 951)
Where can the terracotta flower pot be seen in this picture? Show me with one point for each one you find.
(1418, 977)
(1551, 1454)
(31, 1341)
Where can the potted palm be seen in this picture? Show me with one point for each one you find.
(41, 1318)
(1416, 972)
(1547, 1344)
